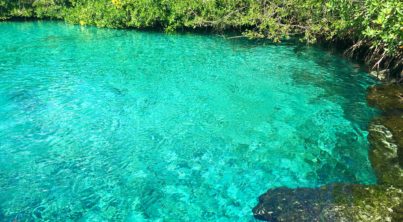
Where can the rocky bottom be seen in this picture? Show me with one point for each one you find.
(353, 202)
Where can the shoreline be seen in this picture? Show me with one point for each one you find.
(384, 68)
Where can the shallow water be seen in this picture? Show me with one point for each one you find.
(101, 125)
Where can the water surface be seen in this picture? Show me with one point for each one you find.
(114, 125)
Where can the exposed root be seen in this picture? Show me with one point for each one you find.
(351, 51)
(377, 64)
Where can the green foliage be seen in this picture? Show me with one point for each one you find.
(101, 13)
(378, 23)
(383, 23)
(49, 8)
(13, 8)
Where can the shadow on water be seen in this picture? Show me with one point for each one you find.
(340, 80)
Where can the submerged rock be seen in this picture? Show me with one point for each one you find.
(386, 133)
(386, 150)
(300, 204)
(388, 98)
(335, 202)
(381, 74)
(353, 202)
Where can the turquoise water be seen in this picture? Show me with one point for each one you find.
(114, 125)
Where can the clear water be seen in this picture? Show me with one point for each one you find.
(114, 125)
